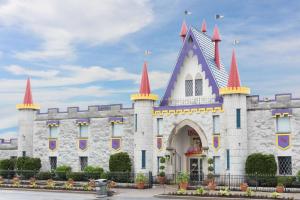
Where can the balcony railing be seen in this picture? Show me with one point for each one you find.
(188, 101)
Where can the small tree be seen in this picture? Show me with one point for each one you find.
(120, 162)
(210, 168)
(261, 164)
(162, 167)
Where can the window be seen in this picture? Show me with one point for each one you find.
(53, 131)
(53, 162)
(23, 153)
(83, 131)
(135, 122)
(227, 159)
(189, 86)
(238, 118)
(285, 165)
(283, 124)
(117, 130)
(216, 124)
(198, 87)
(217, 165)
(83, 162)
(159, 126)
(143, 159)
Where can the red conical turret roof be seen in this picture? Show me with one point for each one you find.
(203, 27)
(28, 96)
(216, 35)
(183, 30)
(234, 77)
(145, 85)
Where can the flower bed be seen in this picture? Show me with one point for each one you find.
(223, 194)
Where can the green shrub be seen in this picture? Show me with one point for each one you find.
(286, 181)
(120, 162)
(76, 176)
(62, 171)
(140, 178)
(27, 163)
(93, 172)
(182, 177)
(5, 165)
(261, 164)
(119, 177)
(45, 175)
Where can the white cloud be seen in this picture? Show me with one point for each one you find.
(18, 70)
(63, 24)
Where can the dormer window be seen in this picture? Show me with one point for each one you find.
(188, 86)
(198, 85)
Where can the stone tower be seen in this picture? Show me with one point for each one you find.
(27, 111)
(235, 111)
(143, 125)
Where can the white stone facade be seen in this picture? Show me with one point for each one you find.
(186, 125)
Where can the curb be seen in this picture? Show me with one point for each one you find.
(47, 190)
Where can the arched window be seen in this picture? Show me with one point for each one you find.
(188, 85)
(198, 85)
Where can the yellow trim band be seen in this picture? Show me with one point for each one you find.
(153, 97)
(234, 90)
(28, 106)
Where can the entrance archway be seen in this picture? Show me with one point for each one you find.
(188, 145)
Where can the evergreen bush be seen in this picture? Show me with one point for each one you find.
(62, 171)
(76, 176)
(120, 162)
(93, 172)
(261, 164)
(45, 175)
(5, 166)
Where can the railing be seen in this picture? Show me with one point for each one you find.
(188, 101)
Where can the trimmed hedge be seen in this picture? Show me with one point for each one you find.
(62, 171)
(120, 162)
(77, 176)
(45, 175)
(27, 163)
(261, 164)
(7, 164)
(93, 172)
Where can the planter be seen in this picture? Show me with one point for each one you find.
(244, 187)
(140, 185)
(280, 189)
(212, 185)
(183, 185)
(161, 179)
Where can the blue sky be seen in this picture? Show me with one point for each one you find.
(81, 53)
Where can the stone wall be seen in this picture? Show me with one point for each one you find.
(262, 126)
(99, 140)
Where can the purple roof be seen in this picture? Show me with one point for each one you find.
(282, 111)
(203, 47)
(52, 122)
(86, 120)
(114, 119)
(188, 106)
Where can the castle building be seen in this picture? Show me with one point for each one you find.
(204, 113)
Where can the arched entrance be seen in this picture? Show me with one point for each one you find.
(187, 146)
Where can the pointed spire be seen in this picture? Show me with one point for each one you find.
(216, 39)
(28, 96)
(145, 85)
(216, 36)
(183, 30)
(234, 78)
(203, 27)
(27, 101)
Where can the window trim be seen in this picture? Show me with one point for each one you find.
(291, 166)
(201, 93)
(80, 160)
(88, 131)
(276, 124)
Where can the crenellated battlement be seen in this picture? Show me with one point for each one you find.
(254, 102)
(92, 111)
(11, 144)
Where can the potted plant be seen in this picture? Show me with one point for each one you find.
(140, 180)
(162, 175)
(183, 180)
(280, 188)
(244, 187)
(210, 176)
